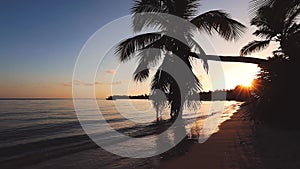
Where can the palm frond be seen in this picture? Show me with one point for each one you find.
(186, 8)
(140, 6)
(126, 49)
(255, 5)
(161, 81)
(269, 18)
(181, 48)
(194, 86)
(220, 22)
(194, 45)
(141, 73)
(150, 56)
(277, 15)
(265, 33)
(294, 29)
(262, 18)
(158, 44)
(155, 21)
(146, 14)
(198, 49)
(292, 17)
(254, 46)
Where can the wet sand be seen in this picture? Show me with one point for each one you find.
(242, 144)
(232, 147)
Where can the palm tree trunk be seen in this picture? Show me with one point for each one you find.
(229, 58)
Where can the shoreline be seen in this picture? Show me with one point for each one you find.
(239, 144)
(242, 143)
(231, 147)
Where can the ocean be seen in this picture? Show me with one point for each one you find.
(38, 134)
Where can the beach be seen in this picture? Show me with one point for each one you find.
(38, 134)
(53, 138)
(242, 143)
(231, 147)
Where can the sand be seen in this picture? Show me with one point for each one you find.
(242, 144)
(231, 147)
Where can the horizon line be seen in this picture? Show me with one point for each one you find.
(43, 98)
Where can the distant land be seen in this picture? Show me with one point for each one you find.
(239, 93)
(34, 98)
(115, 97)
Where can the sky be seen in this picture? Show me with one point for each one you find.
(42, 39)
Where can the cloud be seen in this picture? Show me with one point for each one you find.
(97, 83)
(105, 83)
(110, 71)
(78, 83)
(67, 84)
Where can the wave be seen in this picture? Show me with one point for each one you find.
(39, 136)
(35, 152)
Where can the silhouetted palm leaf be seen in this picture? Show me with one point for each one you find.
(147, 58)
(127, 48)
(141, 6)
(295, 28)
(221, 22)
(275, 20)
(150, 56)
(265, 33)
(254, 46)
(162, 81)
(141, 73)
(255, 5)
(292, 17)
(186, 8)
(198, 49)
(154, 19)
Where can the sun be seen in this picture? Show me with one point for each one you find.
(247, 83)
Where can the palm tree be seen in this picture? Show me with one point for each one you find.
(176, 91)
(277, 21)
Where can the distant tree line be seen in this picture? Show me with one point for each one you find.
(239, 93)
(115, 97)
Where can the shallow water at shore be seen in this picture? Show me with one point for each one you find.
(44, 133)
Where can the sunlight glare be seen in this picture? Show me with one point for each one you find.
(247, 83)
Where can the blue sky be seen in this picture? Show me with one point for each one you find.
(47, 35)
(41, 39)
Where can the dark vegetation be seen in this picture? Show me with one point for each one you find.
(115, 97)
(276, 87)
(239, 93)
